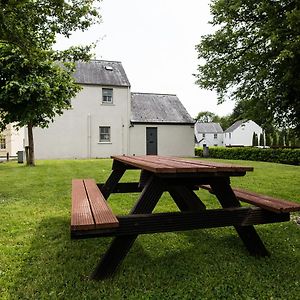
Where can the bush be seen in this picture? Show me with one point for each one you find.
(284, 156)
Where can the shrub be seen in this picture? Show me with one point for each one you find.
(284, 156)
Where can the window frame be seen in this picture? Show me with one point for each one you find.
(2, 143)
(106, 97)
(104, 140)
(215, 136)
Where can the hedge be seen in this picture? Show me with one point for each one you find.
(284, 156)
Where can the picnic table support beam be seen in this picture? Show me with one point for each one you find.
(185, 198)
(112, 181)
(121, 245)
(248, 234)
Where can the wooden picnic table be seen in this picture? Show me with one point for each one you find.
(179, 177)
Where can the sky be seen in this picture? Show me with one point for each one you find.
(155, 41)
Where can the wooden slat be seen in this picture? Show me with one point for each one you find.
(218, 166)
(267, 202)
(263, 201)
(166, 164)
(102, 213)
(81, 215)
(146, 165)
(180, 221)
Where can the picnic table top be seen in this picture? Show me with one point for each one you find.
(169, 164)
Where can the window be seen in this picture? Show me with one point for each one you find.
(107, 95)
(203, 135)
(230, 135)
(104, 134)
(2, 143)
(215, 136)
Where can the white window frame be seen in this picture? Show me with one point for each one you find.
(102, 138)
(107, 98)
(215, 136)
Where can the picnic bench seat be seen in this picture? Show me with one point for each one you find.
(89, 207)
(263, 201)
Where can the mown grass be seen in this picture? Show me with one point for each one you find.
(39, 261)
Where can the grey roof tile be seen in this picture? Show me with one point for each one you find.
(158, 108)
(235, 125)
(208, 127)
(102, 72)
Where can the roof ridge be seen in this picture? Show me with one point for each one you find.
(104, 60)
(162, 94)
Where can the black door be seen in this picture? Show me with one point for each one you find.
(151, 140)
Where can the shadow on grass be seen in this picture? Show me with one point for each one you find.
(206, 264)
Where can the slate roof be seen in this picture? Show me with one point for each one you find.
(102, 72)
(208, 127)
(235, 125)
(158, 108)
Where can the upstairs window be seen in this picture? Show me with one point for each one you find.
(104, 134)
(2, 143)
(203, 135)
(215, 136)
(107, 96)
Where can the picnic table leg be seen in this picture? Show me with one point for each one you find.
(121, 245)
(185, 198)
(112, 180)
(248, 234)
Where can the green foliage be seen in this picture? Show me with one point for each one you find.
(261, 140)
(274, 139)
(34, 24)
(268, 139)
(284, 156)
(254, 58)
(39, 260)
(205, 117)
(33, 92)
(254, 139)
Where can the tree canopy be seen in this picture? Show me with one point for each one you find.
(34, 87)
(254, 58)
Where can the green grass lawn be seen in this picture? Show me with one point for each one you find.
(39, 261)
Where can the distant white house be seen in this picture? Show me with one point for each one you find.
(241, 133)
(209, 134)
(11, 140)
(107, 119)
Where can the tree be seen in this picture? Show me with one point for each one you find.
(274, 139)
(254, 57)
(32, 93)
(31, 24)
(254, 140)
(261, 140)
(281, 139)
(268, 139)
(205, 117)
(33, 86)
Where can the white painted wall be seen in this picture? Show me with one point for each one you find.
(209, 139)
(243, 134)
(14, 140)
(75, 134)
(172, 140)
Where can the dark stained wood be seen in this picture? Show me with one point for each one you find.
(248, 234)
(263, 201)
(102, 213)
(122, 244)
(218, 166)
(89, 207)
(81, 215)
(124, 187)
(112, 181)
(185, 198)
(161, 164)
(177, 221)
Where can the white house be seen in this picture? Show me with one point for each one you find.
(106, 119)
(241, 133)
(160, 125)
(209, 134)
(11, 140)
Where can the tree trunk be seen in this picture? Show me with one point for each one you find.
(30, 157)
